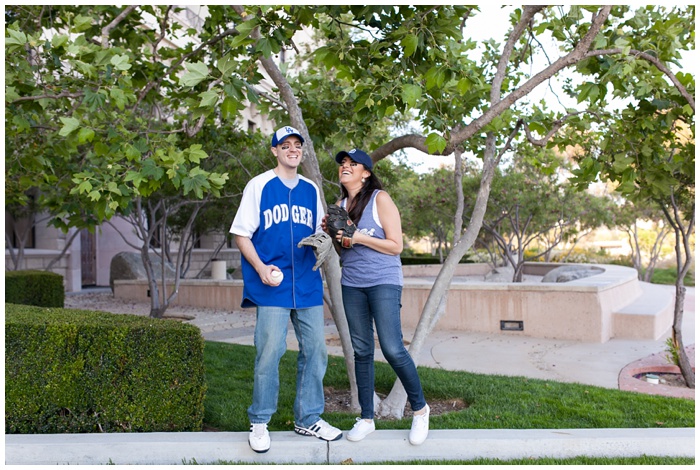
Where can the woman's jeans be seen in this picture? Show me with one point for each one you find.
(271, 343)
(382, 305)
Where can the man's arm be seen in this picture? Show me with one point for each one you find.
(245, 245)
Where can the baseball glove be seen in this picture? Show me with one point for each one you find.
(339, 219)
(322, 245)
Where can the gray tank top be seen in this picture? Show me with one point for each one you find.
(366, 267)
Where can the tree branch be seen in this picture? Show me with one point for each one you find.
(63, 94)
(416, 141)
(120, 17)
(576, 55)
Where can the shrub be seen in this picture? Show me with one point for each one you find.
(81, 371)
(31, 287)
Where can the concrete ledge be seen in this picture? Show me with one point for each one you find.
(647, 317)
(390, 445)
(579, 310)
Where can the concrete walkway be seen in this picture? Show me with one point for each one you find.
(380, 446)
(503, 354)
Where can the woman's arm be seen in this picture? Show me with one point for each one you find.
(391, 223)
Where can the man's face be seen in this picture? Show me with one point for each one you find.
(289, 152)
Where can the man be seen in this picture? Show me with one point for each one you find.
(278, 209)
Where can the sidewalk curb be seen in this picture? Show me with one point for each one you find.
(380, 446)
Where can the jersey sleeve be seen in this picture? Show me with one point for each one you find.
(247, 219)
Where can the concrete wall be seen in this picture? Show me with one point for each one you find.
(580, 310)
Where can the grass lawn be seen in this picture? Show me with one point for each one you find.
(493, 401)
(668, 276)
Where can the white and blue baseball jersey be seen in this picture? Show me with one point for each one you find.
(276, 218)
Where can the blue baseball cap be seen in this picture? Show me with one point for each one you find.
(284, 132)
(356, 155)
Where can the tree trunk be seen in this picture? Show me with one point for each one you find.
(684, 255)
(677, 336)
(432, 310)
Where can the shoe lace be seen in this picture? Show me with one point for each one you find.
(420, 420)
(259, 429)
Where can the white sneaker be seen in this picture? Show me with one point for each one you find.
(320, 429)
(259, 437)
(419, 428)
(360, 430)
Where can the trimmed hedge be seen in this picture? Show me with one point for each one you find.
(82, 371)
(412, 260)
(32, 287)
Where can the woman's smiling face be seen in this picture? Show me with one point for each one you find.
(350, 171)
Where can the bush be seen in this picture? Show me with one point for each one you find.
(80, 371)
(427, 258)
(30, 287)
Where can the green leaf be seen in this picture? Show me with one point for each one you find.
(86, 69)
(622, 163)
(59, 40)
(436, 143)
(132, 153)
(196, 73)
(135, 177)
(101, 148)
(11, 94)
(69, 125)
(464, 85)
(247, 27)
(15, 40)
(196, 153)
(81, 23)
(21, 123)
(410, 93)
(121, 62)
(409, 44)
(195, 182)
(84, 187)
(117, 95)
(230, 107)
(85, 135)
(209, 98)
(226, 64)
(113, 188)
(264, 45)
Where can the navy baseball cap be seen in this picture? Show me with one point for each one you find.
(284, 132)
(356, 155)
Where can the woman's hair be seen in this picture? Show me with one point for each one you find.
(363, 197)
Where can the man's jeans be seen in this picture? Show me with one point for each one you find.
(271, 343)
(381, 304)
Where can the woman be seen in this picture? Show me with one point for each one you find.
(372, 281)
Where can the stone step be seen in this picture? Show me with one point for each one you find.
(649, 316)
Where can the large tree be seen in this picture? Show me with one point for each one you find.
(649, 153)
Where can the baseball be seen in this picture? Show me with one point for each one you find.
(277, 276)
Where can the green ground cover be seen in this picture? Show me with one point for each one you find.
(492, 401)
